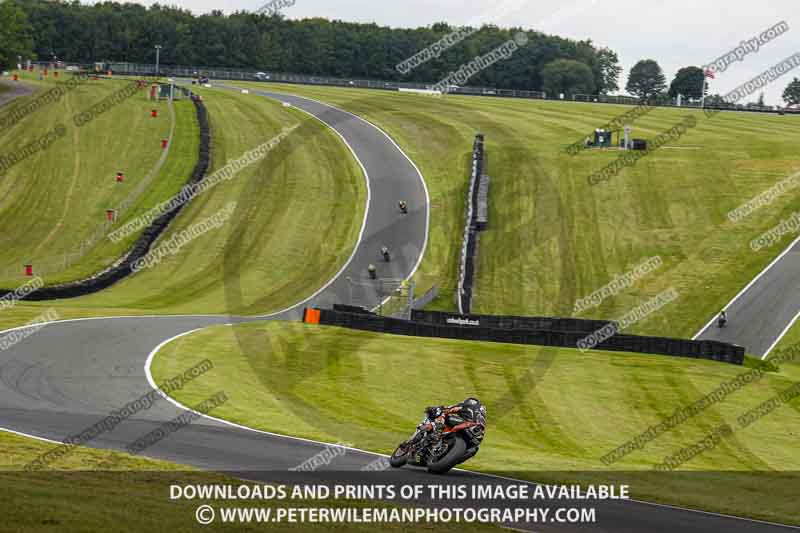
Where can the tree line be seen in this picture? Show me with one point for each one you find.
(114, 32)
(647, 81)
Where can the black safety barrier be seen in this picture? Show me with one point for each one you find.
(142, 245)
(469, 249)
(712, 350)
(352, 309)
(538, 323)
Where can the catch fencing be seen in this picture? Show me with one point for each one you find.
(521, 330)
(228, 73)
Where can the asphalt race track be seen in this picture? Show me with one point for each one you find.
(17, 90)
(71, 374)
(763, 311)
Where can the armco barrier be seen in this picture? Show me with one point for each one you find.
(142, 245)
(712, 350)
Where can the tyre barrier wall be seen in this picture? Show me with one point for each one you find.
(711, 350)
(466, 274)
(142, 245)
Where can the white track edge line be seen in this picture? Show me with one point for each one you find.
(752, 282)
(782, 334)
(173, 401)
(352, 255)
(176, 403)
(398, 148)
(720, 515)
(28, 435)
(150, 357)
(413, 164)
(114, 317)
(363, 222)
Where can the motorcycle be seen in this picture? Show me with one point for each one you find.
(722, 321)
(459, 442)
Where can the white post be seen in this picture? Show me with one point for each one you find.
(703, 95)
(158, 57)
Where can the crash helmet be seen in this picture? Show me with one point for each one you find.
(472, 403)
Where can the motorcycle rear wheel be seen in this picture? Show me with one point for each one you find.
(450, 459)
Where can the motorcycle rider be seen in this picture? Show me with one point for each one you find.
(722, 321)
(403, 206)
(471, 409)
(373, 272)
(385, 254)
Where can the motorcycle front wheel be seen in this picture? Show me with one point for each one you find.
(450, 459)
(399, 457)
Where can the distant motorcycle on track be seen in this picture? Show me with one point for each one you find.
(442, 440)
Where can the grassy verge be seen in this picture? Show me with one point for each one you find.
(789, 344)
(56, 199)
(553, 238)
(130, 494)
(305, 197)
(550, 410)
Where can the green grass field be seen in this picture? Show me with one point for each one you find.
(60, 195)
(97, 490)
(553, 238)
(791, 339)
(307, 194)
(550, 410)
